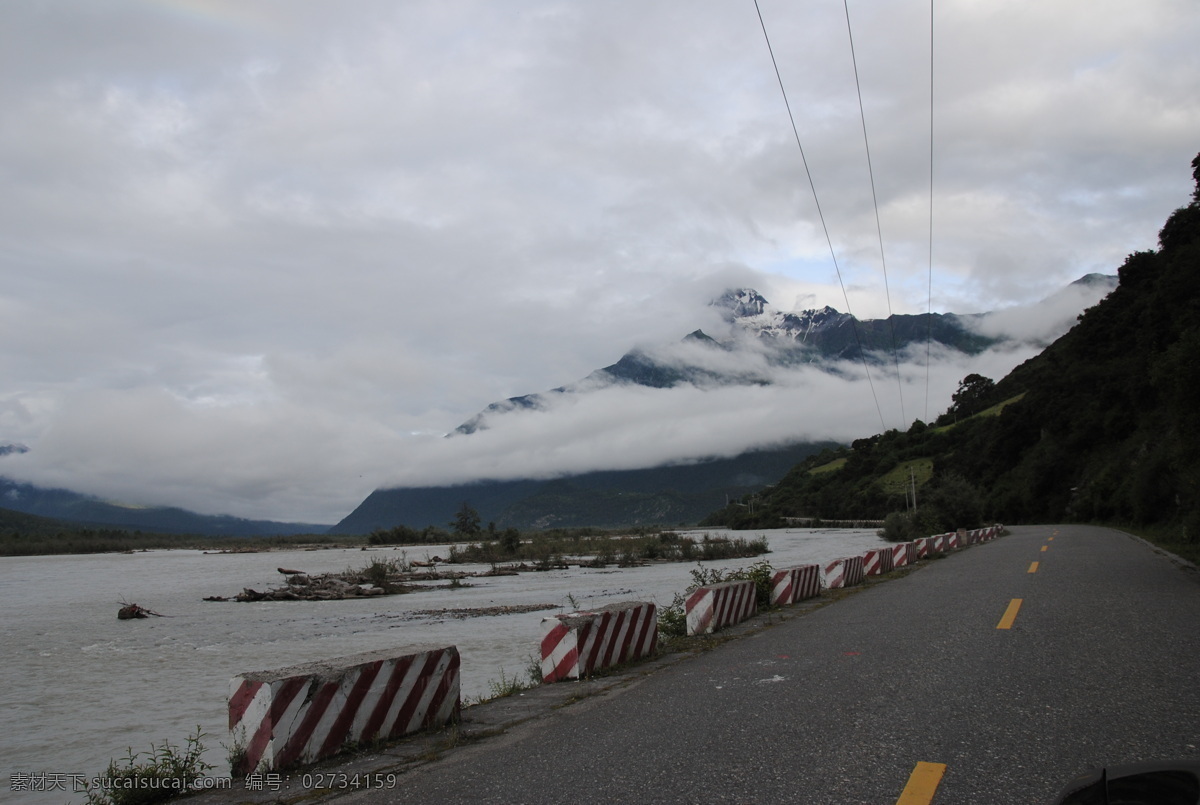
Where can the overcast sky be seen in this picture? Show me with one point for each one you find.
(256, 257)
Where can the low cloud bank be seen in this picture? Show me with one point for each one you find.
(286, 454)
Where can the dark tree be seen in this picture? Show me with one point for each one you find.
(466, 522)
(974, 394)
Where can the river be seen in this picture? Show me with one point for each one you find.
(79, 687)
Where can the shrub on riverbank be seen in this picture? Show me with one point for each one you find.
(547, 550)
(672, 620)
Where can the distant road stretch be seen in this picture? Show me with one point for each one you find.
(1016, 664)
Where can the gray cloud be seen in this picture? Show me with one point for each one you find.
(249, 249)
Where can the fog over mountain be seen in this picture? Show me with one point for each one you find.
(724, 400)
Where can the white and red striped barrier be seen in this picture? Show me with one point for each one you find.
(954, 539)
(578, 644)
(877, 561)
(845, 572)
(719, 605)
(793, 584)
(904, 554)
(308, 712)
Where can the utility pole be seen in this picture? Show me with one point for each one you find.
(913, 476)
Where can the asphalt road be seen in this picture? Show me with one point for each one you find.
(1101, 665)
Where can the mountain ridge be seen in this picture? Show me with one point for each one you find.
(821, 337)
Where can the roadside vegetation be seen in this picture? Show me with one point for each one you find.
(672, 619)
(546, 551)
(164, 773)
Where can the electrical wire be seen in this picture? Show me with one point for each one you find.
(929, 300)
(832, 253)
(875, 201)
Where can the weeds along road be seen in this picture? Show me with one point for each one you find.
(1099, 664)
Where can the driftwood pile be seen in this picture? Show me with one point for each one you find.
(129, 612)
(326, 587)
(378, 579)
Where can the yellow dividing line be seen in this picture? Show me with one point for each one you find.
(1033, 567)
(1050, 539)
(1010, 614)
(922, 784)
(1045, 548)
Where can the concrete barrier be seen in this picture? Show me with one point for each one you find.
(304, 713)
(792, 584)
(716, 606)
(845, 572)
(877, 561)
(904, 554)
(578, 644)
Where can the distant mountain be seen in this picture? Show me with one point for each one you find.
(760, 339)
(657, 496)
(72, 507)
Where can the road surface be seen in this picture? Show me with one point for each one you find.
(1016, 676)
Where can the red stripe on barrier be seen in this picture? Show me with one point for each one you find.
(345, 718)
(241, 699)
(696, 599)
(417, 692)
(444, 686)
(375, 721)
(550, 640)
(317, 705)
(280, 701)
(647, 637)
(618, 648)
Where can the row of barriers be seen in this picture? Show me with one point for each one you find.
(305, 713)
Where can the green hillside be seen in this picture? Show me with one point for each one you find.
(1100, 427)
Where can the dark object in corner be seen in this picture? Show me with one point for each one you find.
(1151, 783)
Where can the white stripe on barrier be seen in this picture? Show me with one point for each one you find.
(578, 644)
(716, 606)
(877, 561)
(845, 572)
(792, 584)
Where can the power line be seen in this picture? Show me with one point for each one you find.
(929, 300)
(796, 132)
(875, 201)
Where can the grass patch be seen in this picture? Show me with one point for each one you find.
(899, 480)
(832, 466)
(993, 411)
(164, 773)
